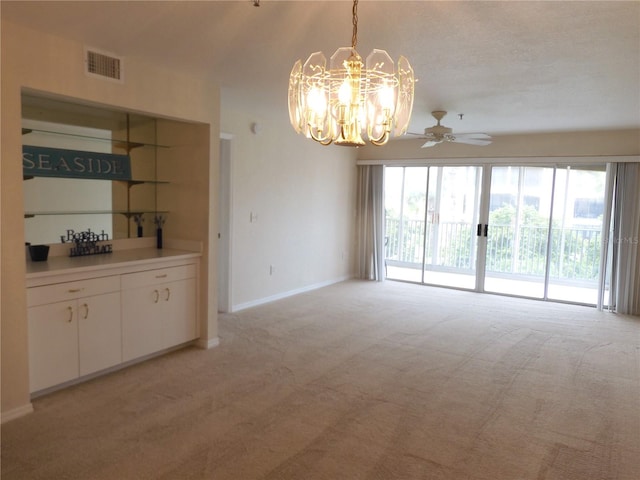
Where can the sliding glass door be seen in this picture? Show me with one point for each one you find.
(534, 231)
(518, 231)
(431, 217)
(545, 232)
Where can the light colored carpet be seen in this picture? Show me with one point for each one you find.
(359, 380)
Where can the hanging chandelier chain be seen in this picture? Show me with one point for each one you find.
(354, 38)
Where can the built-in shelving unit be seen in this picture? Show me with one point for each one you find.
(129, 212)
(71, 126)
(117, 143)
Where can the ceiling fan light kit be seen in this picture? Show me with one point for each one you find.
(351, 98)
(439, 133)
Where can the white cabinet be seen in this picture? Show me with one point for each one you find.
(53, 344)
(158, 310)
(87, 315)
(180, 326)
(99, 332)
(74, 330)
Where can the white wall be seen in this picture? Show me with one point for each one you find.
(303, 195)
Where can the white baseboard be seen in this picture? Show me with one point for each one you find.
(290, 293)
(206, 344)
(17, 412)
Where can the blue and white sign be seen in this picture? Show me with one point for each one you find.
(58, 162)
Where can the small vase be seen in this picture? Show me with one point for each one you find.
(139, 231)
(159, 238)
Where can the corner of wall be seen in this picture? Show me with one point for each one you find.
(17, 412)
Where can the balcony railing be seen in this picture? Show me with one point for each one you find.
(575, 252)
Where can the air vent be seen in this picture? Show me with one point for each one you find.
(103, 65)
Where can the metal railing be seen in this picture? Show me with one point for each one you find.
(575, 252)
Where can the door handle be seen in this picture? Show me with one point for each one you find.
(479, 230)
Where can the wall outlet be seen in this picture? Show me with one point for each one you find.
(253, 217)
(272, 269)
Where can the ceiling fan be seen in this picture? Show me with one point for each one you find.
(438, 134)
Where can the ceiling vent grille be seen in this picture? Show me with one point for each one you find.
(103, 65)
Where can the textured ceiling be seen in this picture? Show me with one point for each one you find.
(510, 66)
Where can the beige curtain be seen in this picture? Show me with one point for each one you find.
(625, 280)
(370, 218)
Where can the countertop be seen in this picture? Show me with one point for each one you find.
(61, 265)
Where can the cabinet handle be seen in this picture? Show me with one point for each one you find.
(75, 290)
(164, 275)
(86, 310)
(157, 294)
(168, 294)
(70, 314)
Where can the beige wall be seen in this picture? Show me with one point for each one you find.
(303, 194)
(188, 196)
(35, 61)
(506, 148)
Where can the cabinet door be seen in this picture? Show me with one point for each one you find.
(142, 319)
(179, 303)
(100, 332)
(53, 344)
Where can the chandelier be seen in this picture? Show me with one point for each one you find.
(351, 98)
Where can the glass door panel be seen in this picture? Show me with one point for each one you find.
(518, 232)
(405, 203)
(576, 236)
(452, 216)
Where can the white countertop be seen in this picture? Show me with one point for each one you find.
(60, 265)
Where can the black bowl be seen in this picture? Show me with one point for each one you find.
(39, 253)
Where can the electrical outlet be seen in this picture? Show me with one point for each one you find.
(272, 269)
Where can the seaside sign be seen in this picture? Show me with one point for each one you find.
(58, 162)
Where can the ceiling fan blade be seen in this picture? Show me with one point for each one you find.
(472, 138)
(429, 143)
(472, 141)
(477, 136)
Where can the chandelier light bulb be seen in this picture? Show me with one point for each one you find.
(386, 98)
(349, 99)
(317, 102)
(344, 93)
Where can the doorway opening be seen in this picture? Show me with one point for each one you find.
(224, 226)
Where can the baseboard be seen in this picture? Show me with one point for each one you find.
(290, 293)
(17, 412)
(206, 344)
(112, 369)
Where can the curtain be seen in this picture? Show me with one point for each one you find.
(370, 218)
(625, 290)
